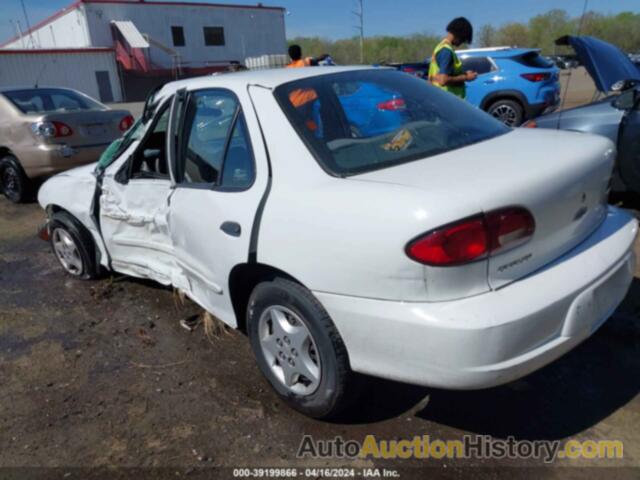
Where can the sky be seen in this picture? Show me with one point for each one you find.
(333, 19)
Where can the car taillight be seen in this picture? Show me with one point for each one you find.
(125, 123)
(62, 129)
(536, 77)
(473, 238)
(530, 124)
(51, 129)
(509, 228)
(393, 104)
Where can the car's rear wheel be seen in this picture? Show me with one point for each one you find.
(14, 184)
(299, 349)
(508, 112)
(73, 246)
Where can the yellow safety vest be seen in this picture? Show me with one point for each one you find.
(434, 70)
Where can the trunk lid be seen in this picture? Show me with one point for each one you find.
(90, 127)
(562, 178)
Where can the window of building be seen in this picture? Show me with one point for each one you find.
(213, 36)
(177, 33)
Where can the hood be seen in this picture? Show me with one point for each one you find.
(606, 63)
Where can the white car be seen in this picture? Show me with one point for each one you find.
(356, 220)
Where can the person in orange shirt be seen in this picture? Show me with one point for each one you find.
(295, 52)
(302, 98)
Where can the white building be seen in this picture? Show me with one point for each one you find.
(89, 70)
(159, 39)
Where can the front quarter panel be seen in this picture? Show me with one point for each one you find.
(74, 191)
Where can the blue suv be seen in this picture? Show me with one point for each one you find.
(513, 84)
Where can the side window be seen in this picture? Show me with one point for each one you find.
(237, 171)
(215, 148)
(477, 64)
(150, 158)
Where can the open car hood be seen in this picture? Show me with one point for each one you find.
(605, 62)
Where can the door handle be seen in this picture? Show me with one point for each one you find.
(231, 228)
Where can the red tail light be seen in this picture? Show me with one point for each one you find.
(473, 238)
(62, 129)
(530, 124)
(536, 77)
(393, 104)
(125, 123)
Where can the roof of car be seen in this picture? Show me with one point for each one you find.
(496, 52)
(16, 88)
(269, 78)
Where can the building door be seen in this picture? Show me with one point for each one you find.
(104, 86)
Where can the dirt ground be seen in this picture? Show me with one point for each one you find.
(101, 374)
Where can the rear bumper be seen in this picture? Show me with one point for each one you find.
(46, 160)
(497, 337)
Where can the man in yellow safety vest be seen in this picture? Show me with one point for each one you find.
(445, 69)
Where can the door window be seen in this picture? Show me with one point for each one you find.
(150, 158)
(477, 64)
(214, 146)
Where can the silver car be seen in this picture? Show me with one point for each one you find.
(616, 116)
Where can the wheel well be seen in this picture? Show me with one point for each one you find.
(5, 151)
(504, 97)
(53, 208)
(243, 279)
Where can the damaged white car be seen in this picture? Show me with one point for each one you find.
(356, 220)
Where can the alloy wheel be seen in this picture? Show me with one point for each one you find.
(506, 114)
(290, 350)
(67, 251)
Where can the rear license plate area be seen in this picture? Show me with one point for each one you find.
(592, 307)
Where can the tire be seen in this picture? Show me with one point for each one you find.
(507, 111)
(14, 184)
(73, 246)
(335, 386)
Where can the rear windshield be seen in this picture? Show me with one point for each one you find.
(534, 59)
(356, 122)
(44, 100)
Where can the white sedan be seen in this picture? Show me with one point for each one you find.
(356, 220)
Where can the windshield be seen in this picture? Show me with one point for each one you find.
(118, 146)
(356, 122)
(43, 100)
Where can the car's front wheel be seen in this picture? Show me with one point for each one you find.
(299, 349)
(73, 246)
(508, 112)
(14, 184)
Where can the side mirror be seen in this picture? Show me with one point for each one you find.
(626, 100)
